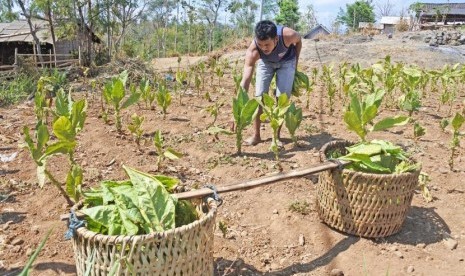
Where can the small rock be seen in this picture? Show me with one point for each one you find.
(393, 248)
(275, 211)
(17, 242)
(29, 252)
(5, 227)
(451, 244)
(410, 269)
(301, 240)
(243, 233)
(429, 258)
(399, 254)
(336, 272)
(444, 170)
(54, 253)
(111, 162)
(35, 229)
(283, 261)
(421, 245)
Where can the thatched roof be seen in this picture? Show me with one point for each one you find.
(18, 31)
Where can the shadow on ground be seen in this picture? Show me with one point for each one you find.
(238, 267)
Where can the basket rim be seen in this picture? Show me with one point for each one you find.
(86, 233)
(344, 143)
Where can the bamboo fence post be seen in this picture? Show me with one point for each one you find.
(16, 58)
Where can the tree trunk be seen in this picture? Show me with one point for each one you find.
(31, 28)
(89, 31)
(52, 31)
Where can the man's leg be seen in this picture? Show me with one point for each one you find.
(284, 80)
(265, 73)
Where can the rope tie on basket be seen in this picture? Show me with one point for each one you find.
(74, 224)
(215, 195)
(338, 162)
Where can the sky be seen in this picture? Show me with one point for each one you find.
(326, 10)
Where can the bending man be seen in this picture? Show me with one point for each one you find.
(277, 50)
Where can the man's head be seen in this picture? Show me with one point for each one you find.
(266, 36)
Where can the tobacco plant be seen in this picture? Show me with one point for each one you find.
(418, 131)
(293, 118)
(456, 123)
(135, 127)
(181, 80)
(244, 111)
(411, 99)
(147, 93)
(163, 98)
(376, 156)
(330, 85)
(114, 94)
(274, 112)
(159, 143)
(65, 128)
(213, 110)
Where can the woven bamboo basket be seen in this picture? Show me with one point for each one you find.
(363, 204)
(186, 250)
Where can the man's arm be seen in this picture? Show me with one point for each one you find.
(251, 57)
(292, 37)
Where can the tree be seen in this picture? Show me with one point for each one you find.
(308, 21)
(268, 9)
(243, 14)
(209, 10)
(27, 12)
(360, 11)
(6, 11)
(288, 13)
(384, 8)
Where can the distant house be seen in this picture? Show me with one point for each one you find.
(444, 13)
(389, 23)
(369, 26)
(316, 32)
(17, 35)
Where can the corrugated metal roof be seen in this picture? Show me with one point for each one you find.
(445, 8)
(392, 20)
(19, 31)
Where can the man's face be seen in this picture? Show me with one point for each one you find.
(267, 45)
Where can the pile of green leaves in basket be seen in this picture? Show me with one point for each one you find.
(376, 156)
(141, 205)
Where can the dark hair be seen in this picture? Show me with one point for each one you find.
(265, 29)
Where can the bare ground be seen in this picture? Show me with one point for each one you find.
(264, 235)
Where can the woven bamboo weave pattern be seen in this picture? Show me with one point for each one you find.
(364, 204)
(186, 250)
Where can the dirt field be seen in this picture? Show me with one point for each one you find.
(264, 235)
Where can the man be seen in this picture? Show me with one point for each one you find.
(277, 50)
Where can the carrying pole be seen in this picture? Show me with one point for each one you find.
(248, 184)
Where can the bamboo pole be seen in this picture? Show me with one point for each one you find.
(248, 184)
(16, 57)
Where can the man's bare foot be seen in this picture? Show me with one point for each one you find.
(252, 141)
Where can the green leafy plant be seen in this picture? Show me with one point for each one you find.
(423, 180)
(163, 98)
(223, 226)
(275, 112)
(141, 205)
(443, 124)
(418, 131)
(330, 84)
(456, 123)
(293, 118)
(159, 143)
(181, 80)
(301, 81)
(114, 94)
(376, 156)
(244, 111)
(135, 127)
(301, 207)
(65, 129)
(363, 110)
(213, 110)
(147, 94)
